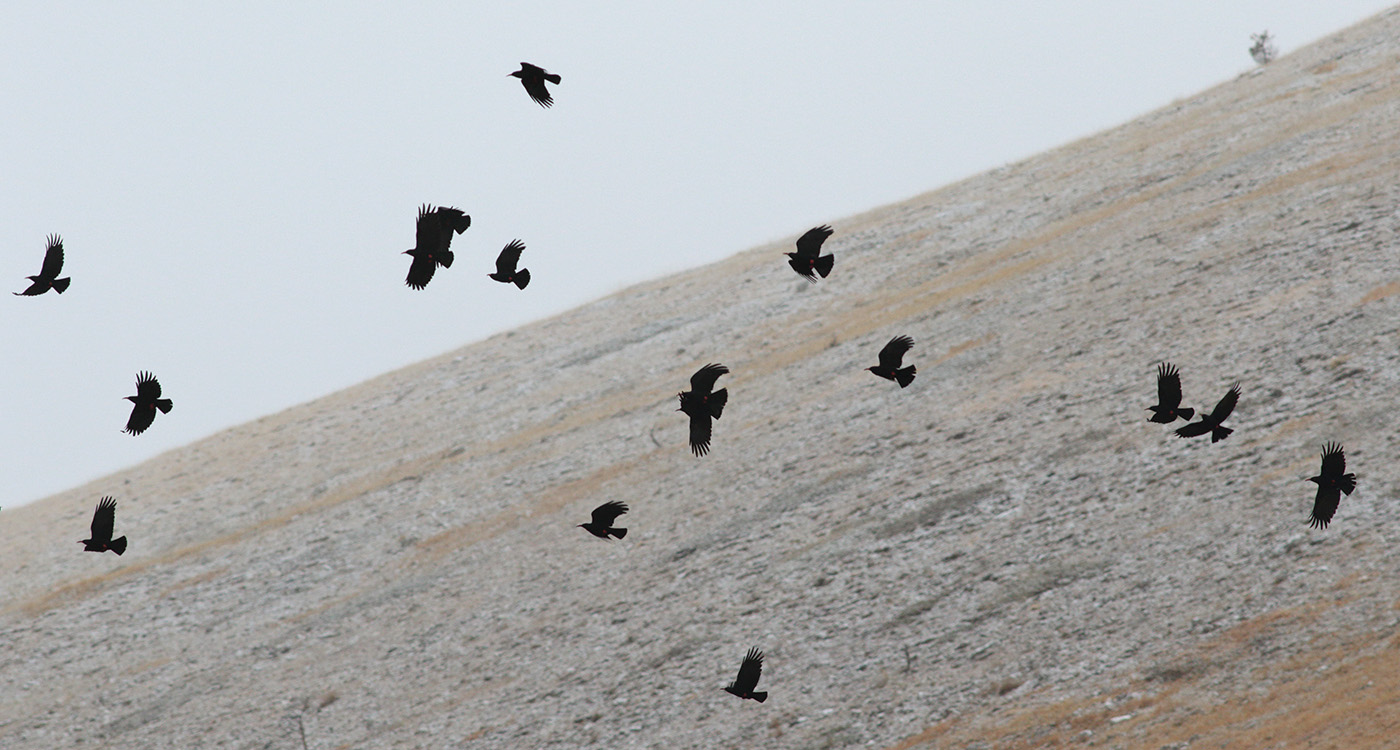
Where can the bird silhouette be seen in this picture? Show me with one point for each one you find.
(1212, 422)
(806, 261)
(749, 672)
(506, 263)
(1331, 483)
(145, 403)
(533, 78)
(48, 275)
(700, 404)
(1168, 408)
(433, 242)
(103, 519)
(891, 357)
(603, 517)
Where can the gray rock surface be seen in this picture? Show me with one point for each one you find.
(397, 565)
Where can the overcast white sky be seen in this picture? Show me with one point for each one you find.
(234, 185)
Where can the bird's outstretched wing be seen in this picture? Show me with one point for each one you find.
(535, 87)
(140, 420)
(509, 258)
(810, 243)
(892, 356)
(103, 520)
(1195, 428)
(428, 232)
(147, 387)
(749, 672)
(1168, 386)
(420, 272)
(53, 258)
(605, 514)
(1324, 506)
(703, 381)
(1334, 461)
(449, 220)
(700, 434)
(1225, 405)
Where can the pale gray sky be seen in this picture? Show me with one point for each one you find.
(234, 186)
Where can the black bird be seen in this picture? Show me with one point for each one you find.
(1212, 422)
(434, 242)
(533, 78)
(102, 521)
(1331, 482)
(807, 261)
(506, 263)
(48, 275)
(701, 405)
(1168, 408)
(603, 517)
(891, 357)
(145, 403)
(749, 672)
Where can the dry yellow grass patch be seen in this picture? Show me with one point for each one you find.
(1343, 694)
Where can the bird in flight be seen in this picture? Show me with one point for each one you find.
(102, 521)
(1331, 483)
(749, 672)
(145, 403)
(603, 517)
(1168, 408)
(532, 77)
(1212, 422)
(891, 357)
(433, 242)
(807, 261)
(700, 404)
(48, 275)
(506, 263)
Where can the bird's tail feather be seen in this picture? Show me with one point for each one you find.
(1219, 433)
(446, 260)
(164, 404)
(1186, 414)
(717, 401)
(760, 697)
(1347, 483)
(118, 545)
(553, 78)
(905, 376)
(824, 264)
(61, 284)
(619, 533)
(522, 278)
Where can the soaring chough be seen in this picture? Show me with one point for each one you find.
(506, 263)
(700, 404)
(1331, 483)
(603, 517)
(145, 403)
(891, 357)
(749, 672)
(103, 519)
(1168, 408)
(533, 78)
(48, 275)
(807, 261)
(1212, 422)
(433, 242)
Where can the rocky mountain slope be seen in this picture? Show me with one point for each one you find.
(1005, 554)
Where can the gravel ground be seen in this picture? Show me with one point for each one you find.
(397, 565)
